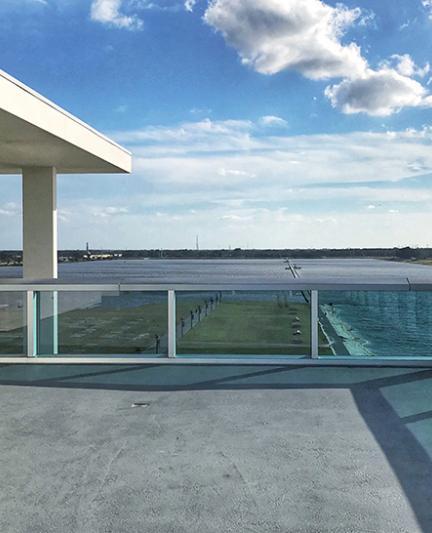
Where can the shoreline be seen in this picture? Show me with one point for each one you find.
(347, 343)
(336, 344)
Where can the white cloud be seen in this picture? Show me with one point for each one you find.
(405, 66)
(64, 215)
(378, 93)
(9, 209)
(271, 120)
(235, 218)
(239, 182)
(235, 172)
(200, 111)
(110, 12)
(109, 211)
(189, 151)
(276, 227)
(274, 35)
(189, 5)
(427, 4)
(367, 19)
(194, 134)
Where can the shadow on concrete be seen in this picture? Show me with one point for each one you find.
(394, 402)
(409, 458)
(154, 377)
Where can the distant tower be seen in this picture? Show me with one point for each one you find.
(87, 248)
(197, 242)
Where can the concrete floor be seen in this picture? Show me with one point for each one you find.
(215, 449)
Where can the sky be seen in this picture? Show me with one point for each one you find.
(252, 123)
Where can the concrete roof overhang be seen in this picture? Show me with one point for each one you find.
(34, 132)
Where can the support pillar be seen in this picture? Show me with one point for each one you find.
(40, 249)
(40, 223)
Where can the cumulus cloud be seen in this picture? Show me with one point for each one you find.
(308, 37)
(274, 35)
(109, 12)
(405, 65)
(378, 93)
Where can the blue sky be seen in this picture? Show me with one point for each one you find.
(260, 123)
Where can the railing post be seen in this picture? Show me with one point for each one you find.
(314, 324)
(31, 324)
(171, 324)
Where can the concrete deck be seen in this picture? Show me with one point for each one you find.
(215, 449)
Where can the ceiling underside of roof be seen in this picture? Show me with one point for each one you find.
(25, 145)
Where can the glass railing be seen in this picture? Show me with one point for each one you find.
(13, 323)
(98, 322)
(377, 323)
(245, 323)
(273, 322)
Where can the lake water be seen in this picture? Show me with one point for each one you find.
(230, 271)
(368, 323)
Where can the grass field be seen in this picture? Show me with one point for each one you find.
(252, 327)
(11, 331)
(105, 330)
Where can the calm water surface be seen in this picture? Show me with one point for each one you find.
(241, 270)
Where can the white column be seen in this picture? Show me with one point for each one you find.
(40, 223)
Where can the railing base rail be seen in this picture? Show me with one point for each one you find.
(220, 360)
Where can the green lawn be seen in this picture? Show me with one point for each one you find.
(112, 331)
(11, 332)
(251, 327)
(12, 342)
(115, 331)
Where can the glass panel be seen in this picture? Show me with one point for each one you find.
(12, 323)
(243, 323)
(80, 323)
(377, 323)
